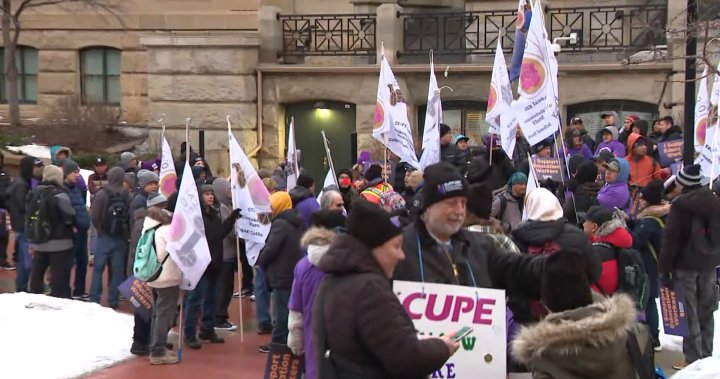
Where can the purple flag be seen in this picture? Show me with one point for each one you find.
(672, 307)
(282, 363)
(139, 294)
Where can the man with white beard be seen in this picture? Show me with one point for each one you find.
(438, 249)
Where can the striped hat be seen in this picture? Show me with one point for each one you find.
(689, 176)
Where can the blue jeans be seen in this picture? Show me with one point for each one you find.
(79, 258)
(109, 249)
(280, 300)
(202, 298)
(24, 263)
(262, 300)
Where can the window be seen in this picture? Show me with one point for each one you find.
(26, 61)
(464, 117)
(100, 75)
(590, 112)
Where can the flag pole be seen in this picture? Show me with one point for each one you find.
(237, 244)
(714, 148)
(182, 301)
(326, 143)
(162, 134)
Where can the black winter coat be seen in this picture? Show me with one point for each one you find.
(17, 192)
(585, 196)
(493, 176)
(282, 249)
(647, 234)
(364, 320)
(451, 154)
(216, 229)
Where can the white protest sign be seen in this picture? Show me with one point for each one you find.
(500, 95)
(440, 308)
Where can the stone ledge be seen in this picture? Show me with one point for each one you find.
(238, 39)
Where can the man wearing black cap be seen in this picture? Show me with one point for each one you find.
(576, 123)
(449, 152)
(98, 179)
(438, 250)
(690, 253)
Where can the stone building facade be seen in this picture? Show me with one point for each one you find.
(263, 62)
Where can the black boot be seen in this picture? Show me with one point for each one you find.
(140, 349)
(211, 336)
(193, 343)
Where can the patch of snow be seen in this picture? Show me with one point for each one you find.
(37, 151)
(49, 338)
(708, 368)
(86, 175)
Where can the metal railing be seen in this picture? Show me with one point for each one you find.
(328, 35)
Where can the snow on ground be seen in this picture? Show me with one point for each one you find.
(42, 337)
(38, 151)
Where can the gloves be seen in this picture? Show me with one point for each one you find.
(666, 280)
(235, 214)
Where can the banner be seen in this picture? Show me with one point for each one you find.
(508, 127)
(139, 294)
(292, 166)
(168, 177)
(672, 308)
(670, 152)
(702, 111)
(547, 168)
(522, 23)
(500, 96)
(433, 116)
(282, 364)
(187, 244)
(715, 93)
(540, 118)
(532, 185)
(250, 195)
(437, 309)
(709, 158)
(392, 127)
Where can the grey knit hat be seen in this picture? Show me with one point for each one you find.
(145, 177)
(156, 199)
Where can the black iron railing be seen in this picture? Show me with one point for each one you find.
(334, 35)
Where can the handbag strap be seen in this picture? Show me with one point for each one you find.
(643, 370)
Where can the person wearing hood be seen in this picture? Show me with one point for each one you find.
(581, 338)
(413, 192)
(609, 142)
(507, 207)
(278, 259)
(112, 234)
(30, 168)
(79, 254)
(667, 130)
(360, 328)
(647, 233)
(128, 162)
(349, 194)
(641, 127)
(55, 253)
(576, 146)
(609, 118)
(546, 233)
(148, 182)
(643, 167)
(326, 224)
(376, 184)
(608, 234)
(495, 175)
(615, 193)
(204, 296)
(584, 188)
(449, 152)
(576, 123)
(303, 198)
(58, 154)
(686, 257)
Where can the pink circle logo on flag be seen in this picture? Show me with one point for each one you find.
(168, 184)
(258, 192)
(379, 115)
(701, 131)
(177, 227)
(492, 98)
(532, 75)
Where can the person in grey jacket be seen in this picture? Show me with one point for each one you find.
(508, 205)
(55, 253)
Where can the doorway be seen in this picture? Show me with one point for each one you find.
(337, 119)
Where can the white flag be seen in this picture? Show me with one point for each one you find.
(433, 117)
(168, 177)
(540, 118)
(252, 198)
(187, 244)
(292, 166)
(715, 94)
(329, 181)
(709, 158)
(702, 111)
(500, 96)
(392, 126)
(508, 126)
(531, 186)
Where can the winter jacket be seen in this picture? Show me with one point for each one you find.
(170, 276)
(493, 176)
(617, 194)
(5, 181)
(349, 195)
(522, 150)
(138, 224)
(282, 249)
(221, 187)
(451, 154)
(61, 218)
(583, 197)
(614, 146)
(672, 134)
(511, 216)
(647, 234)
(611, 236)
(676, 252)
(77, 198)
(54, 151)
(583, 150)
(643, 169)
(307, 278)
(374, 189)
(138, 202)
(96, 182)
(365, 323)
(216, 229)
(17, 192)
(101, 203)
(588, 342)
(305, 203)
(491, 267)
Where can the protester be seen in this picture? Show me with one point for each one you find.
(672, 190)
(601, 159)
(609, 118)
(478, 219)
(690, 252)
(79, 253)
(584, 189)
(148, 182)
(128, 162)
(49, 204)
(98, 179)
(349, 193)
(30, 169)
(142, 328)
(130, 183)
(303, 198)
(331, 200)
(575, 145)
(376, 184)
(608, 235)
(576, 123)
(615, 193)
(543, 149)
(358, 170)
(667, 130)
(4, 219)
(508, 205)
(493, 172)
(449, 152)
(413, 192)
(358, 320)
(226, 279)
(522, 149)
(643, 168)
(326, 224)
(461, 141)
(278, 259)
(609, 142)
(627, 128)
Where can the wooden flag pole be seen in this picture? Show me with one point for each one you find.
(237, 246)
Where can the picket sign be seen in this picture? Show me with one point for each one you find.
(437, 309)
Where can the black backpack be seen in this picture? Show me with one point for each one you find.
(38, 219)
(705, 235)
(632, 278)
(116, 216)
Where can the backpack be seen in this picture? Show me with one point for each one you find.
(632, 277)
(391, 200)
(705, 235)
(548, 248)
(147, 267)
(649, 243)
(116, 216)
(38, 223)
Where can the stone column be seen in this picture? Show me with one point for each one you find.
(389, 32)
(271, 35)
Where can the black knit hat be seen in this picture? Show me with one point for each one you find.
(305, 181)
(653, 192)
(479, 200)
(598, 215)
(442, 181)
(444, 129)
(69, 166)
(586, 172)
(542, 145)
(371, 225)
(329, 219)
(574, 162)
(689, 176)
(373, 172)
(564, 283)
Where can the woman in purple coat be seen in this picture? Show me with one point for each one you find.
(615, 193)
(324, 226)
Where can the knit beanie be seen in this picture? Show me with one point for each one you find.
(586, 172)
(328, 219)
(206, 188)
(131, 180)
(541, 145)
(479, 200)
(69, 166)
(574, 162)
(156, 199)
(653, 192)
(689, 176)
(373, 172)
(280, 202)
(127, 157)
(632, 118)
(371, 225)
(53, 174)
(346, 172)
(363, 157)
(598, 214)
(146, 177)
(305, 181)
(442, 181)
(444, 129)
(564, 283)
(542, 205)
(516, 178)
